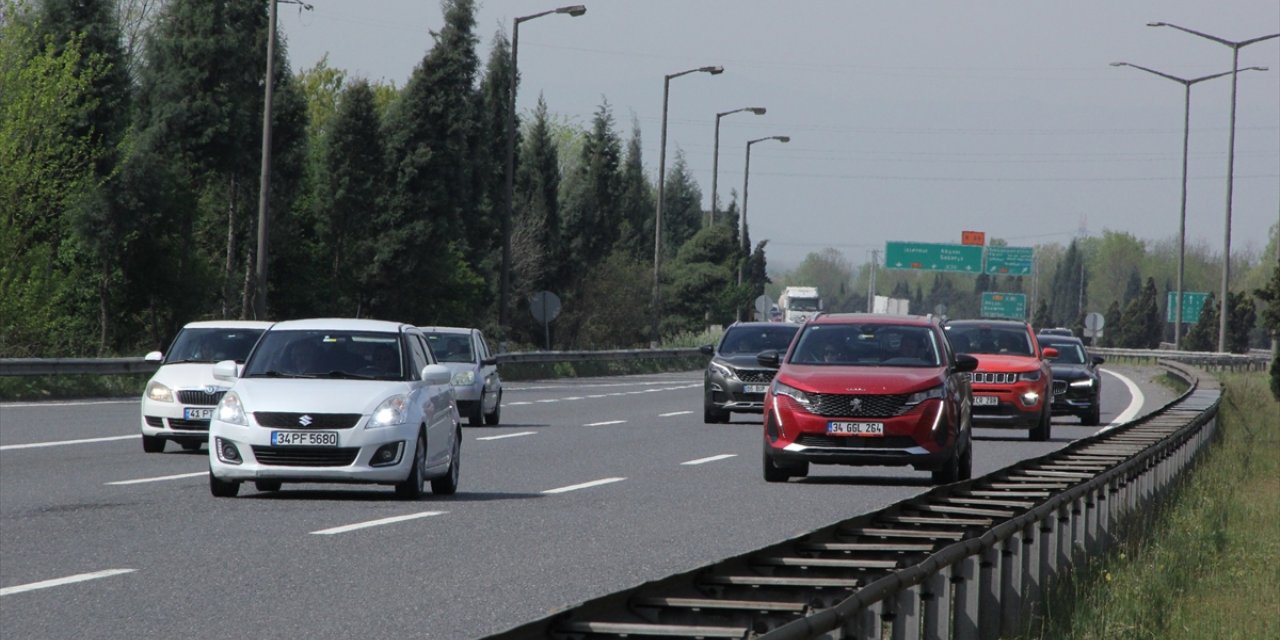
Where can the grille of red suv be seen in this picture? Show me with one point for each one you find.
(990, 377)
(857, 405)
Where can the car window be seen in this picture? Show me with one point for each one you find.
(327, 354)
(873, 345)
(418, 353)
(483, 346)
(739, 341)
(451, 347)
(990, 339)
(212, 345)
(1068, 353)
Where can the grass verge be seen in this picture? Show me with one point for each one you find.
(1207, 563)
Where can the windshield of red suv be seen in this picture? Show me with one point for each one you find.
(739, 341)
(870, 345)
(1013, 341)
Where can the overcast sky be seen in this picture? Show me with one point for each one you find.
(909, 121)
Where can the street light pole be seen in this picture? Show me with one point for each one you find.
(746, 174)
(1182, 218)
(1223, 309)
(715, 158)
(509, 133)
(662, 170)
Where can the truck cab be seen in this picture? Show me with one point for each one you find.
(798, 304)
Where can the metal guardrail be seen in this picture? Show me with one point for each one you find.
(1254, 360)
(117, 366)
(964, 561)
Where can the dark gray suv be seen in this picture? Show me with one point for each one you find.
(735, 381)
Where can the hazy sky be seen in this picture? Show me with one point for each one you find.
(909, 120)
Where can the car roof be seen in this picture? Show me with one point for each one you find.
(873, 318)
(1049, 338)
(737, 325)
(340, 324)
(227, 324)
(976, 322)
(448, 329)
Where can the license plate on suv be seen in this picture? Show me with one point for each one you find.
(755, 388)
(986, 401)
(855, 428)
(197, 413)
(304, 438)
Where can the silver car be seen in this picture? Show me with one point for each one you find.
(475, 371)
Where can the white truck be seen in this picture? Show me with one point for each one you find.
(798, 304)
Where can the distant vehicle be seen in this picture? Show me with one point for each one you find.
(1056, 331)
(475, 371)
(336, 400)
(798, 304)
(869, 389)
(1012, 386)
(180, 398)
(735, 382)
(1077, 383)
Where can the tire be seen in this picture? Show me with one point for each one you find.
(191, 446)
(153, 444)
(773, 472)
(223, 488)
(1094, 416)
(966, 462)
(475, 417)
(447, 484)
(411, 487)
(712, 415)
(950, 471)
(1042, 431)
(491, 419)
(266, 485)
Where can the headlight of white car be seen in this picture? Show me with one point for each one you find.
(464, 378)
(231, 410)
(392, 411)
(159, 392)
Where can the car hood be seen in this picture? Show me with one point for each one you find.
(740, 361)
(455, 367)
(313, 395)
(864, 380)
(189, 375)
(1070, 371)
(1004, 363)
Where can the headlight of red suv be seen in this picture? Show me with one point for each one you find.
(801, 398)
(916, 398)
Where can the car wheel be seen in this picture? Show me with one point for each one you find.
(191, 446)
(950, 471)
(966, 462)
(773, 472)
(476, 416)
(153, 444)
(447, 484)
(266, 485)
(1041, 432)
(1094, 417)
(712, 415)
(411, 487)
(491, 419)
(222, 488)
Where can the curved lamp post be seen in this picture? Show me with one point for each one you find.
(662, 171)
(1182, 218)
(510, 135)
(746, 174)
(715, 158)
(1231, 156)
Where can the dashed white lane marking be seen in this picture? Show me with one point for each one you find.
(45, 584)
(573, 398)
(601, 424)
(59, 443)
(515, 404)
(674, 413)
(549, 400)
(585, 485)
(509, 435)
(376, 523)
(1135, 405)
(158, 478)
(722, 456)
(74, 403)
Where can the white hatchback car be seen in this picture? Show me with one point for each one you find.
(475, 371)
(180, 397)
(336, 400)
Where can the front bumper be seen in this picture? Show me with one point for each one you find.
(1074, 400)
(1011, 412)
(736, 395)
(348, 462)
(166, 420)
(920, 438)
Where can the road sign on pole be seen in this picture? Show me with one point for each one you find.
(1009, 261)
(924, 256)
(1004, 305)
(1192, 305)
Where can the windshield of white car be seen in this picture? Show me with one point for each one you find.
(327, 354)
(451, 347)
(868, 345)
(211, 345)
(742, 341)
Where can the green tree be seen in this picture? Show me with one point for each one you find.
(537, 210)
(590, 202)
(1270, 315)
(635, 201)
(1111, 325)
(1070, 286)
(1141, 322)
(1243, 315)
(682, 209)
(489, 159)
(1203, 335)
(703, 282)
(1040, 319)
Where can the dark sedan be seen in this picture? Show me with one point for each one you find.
(1077, 383)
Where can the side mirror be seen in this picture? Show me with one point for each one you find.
(771, 358)
(707, 350)
(489, 362)
(154, 356)
(1049, 352)
(1099, 359)
(965, 363)
(226, 370)
(436, 374)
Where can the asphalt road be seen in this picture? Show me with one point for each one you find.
(589, 486)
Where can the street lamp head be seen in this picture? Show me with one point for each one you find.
(716, 70)
(782, 138)
(1119, 64)
(575, 10)
(1157, 24)
(757, 110)
(1256, 69)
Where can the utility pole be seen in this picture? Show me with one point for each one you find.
(871, 281)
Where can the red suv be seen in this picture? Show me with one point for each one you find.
(1013, 385)
(862, 389)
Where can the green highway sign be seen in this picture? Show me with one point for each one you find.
(1192, 305)
(1004, 305)
(924, 256)
(1009, 261)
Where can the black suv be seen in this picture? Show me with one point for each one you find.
(1077, 384)
(735, 381)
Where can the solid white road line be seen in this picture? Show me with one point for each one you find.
(1135, 405)
(158, 478)
(723, 456)
(59, 443)
(601, 424)
(8, 591)
(376, 523)
(585, 485)
(509, 435)
(674, 413)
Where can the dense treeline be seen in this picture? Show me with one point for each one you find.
(130, 153)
